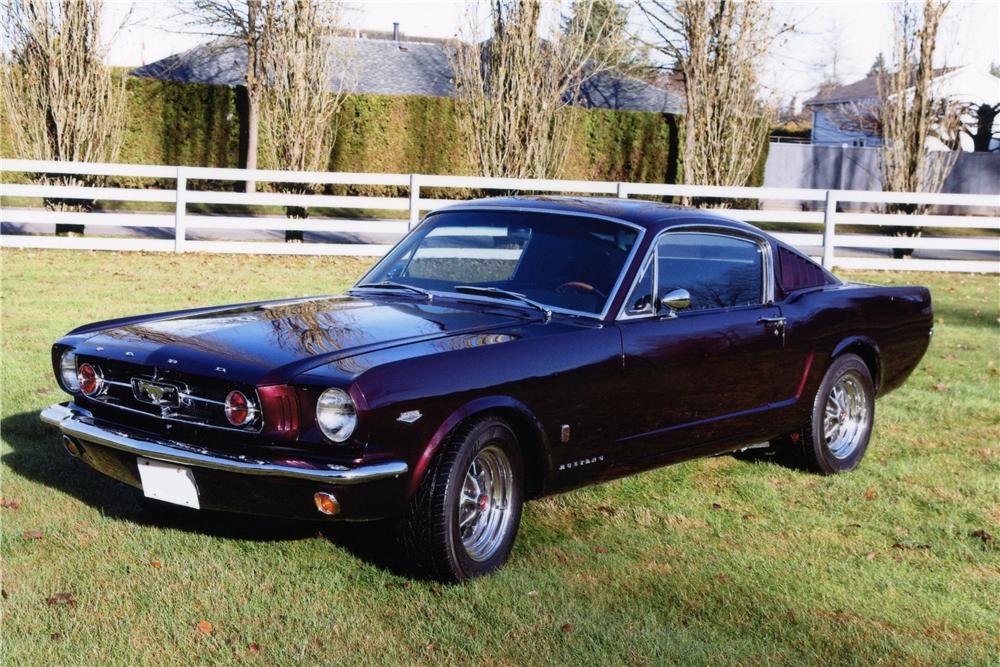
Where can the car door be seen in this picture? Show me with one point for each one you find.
(700, 376)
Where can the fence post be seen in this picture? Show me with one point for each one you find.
(414, 201)
(621, 192)
(180, 210)
(829, 212)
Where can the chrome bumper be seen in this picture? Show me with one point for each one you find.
(79, 424)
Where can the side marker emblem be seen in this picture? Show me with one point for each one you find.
(409, 417)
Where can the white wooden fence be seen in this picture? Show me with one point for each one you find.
(949, 253)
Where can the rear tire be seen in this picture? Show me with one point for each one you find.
(836, 437)
(463, 519)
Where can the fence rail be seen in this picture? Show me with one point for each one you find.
(820, 233)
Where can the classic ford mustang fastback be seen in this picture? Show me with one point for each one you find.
(505, 349)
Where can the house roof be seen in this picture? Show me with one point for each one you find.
(387, 67)
(863, 89)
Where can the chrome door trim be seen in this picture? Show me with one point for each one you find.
(767, 263)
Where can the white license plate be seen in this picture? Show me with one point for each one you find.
(167, 482)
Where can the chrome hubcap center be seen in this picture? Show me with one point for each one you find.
(484, 505)
(845, 416)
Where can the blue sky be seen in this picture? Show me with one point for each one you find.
(970, 34)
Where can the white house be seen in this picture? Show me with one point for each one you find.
(848, 114)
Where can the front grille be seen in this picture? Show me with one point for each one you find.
(169, 395)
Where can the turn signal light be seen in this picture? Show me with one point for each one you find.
(326, 503)
(239, 409)
(89, 379)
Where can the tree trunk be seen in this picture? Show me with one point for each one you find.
(253, 126)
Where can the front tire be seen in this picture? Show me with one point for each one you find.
(464, 517)
(836, 438)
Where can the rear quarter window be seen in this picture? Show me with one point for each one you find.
(798, 272)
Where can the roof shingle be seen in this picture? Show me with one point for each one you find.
(385, 67)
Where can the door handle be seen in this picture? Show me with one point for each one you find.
(779, 326)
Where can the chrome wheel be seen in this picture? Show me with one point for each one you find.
(845, 418)
(484, 507)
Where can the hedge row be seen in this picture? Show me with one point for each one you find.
(199, 125)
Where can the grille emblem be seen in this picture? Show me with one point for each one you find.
(155, 393)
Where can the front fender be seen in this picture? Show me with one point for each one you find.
(476, 406)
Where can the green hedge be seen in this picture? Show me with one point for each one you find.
(198, 125)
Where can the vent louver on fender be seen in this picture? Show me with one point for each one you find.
(280, 405)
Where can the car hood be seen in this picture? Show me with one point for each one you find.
(268, 343)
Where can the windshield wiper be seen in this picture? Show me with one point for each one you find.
(388, 284)
(496, 292)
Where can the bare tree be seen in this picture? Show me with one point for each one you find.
(830, 62)
(513, 88)
(306, 70)
(242, 21)
(718, 47)
(910, 112)
(60, 100)
(603, 28)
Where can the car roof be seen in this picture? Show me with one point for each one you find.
(653, 216)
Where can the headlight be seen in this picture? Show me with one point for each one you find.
(336, 414)
(67, 371)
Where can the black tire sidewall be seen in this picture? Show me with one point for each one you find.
(491, 431)
(823, 459)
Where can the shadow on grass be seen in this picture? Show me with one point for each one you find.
(37, 455)
(782, 452)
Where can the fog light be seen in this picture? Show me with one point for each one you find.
(326, 503)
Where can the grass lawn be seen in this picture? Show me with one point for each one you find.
(718, 561)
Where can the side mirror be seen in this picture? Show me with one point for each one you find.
(674, 300)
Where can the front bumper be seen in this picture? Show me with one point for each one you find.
(235, 483)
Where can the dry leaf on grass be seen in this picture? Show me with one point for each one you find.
(983, 535)
(204, 627)
(62, 598)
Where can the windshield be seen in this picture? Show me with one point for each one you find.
(565, 262)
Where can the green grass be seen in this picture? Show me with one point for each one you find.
(790, 568)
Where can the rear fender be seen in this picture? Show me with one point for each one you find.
(867, 349)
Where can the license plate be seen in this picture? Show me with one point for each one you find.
(167, 482)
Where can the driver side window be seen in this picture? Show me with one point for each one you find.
(719, 271)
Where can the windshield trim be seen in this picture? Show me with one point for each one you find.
(531, 209)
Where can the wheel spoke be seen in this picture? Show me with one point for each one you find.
(845, 416)
(484, 508)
